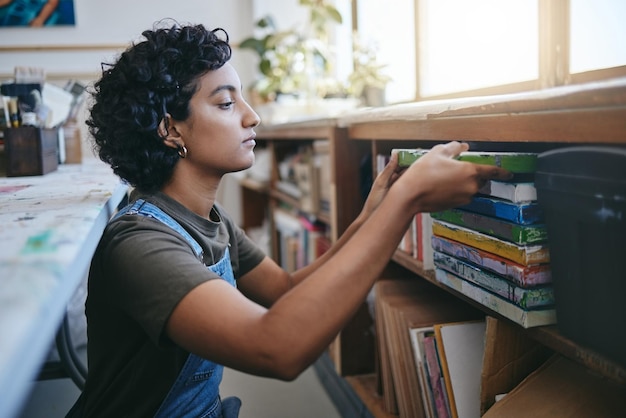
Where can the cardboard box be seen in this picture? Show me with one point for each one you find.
(30, 151)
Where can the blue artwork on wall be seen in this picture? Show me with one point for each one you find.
(37, 13)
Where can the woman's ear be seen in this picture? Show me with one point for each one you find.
(170, 135)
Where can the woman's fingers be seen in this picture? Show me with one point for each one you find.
(451, 149)
(490, 172)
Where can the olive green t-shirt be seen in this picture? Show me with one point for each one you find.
(140, 271)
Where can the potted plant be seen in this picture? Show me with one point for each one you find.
(292, 61)
(367, 80)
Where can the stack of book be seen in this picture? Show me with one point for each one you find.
(402, 305)
(494, 249)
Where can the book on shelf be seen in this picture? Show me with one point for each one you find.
(515, 162)
(387, 389)
(299, 239)
(525, 276)
(521, 254)
(289, 188)
(513, 192)
(526, 298)
(435, 377)
(416, 241)
(499, 228)
(562, 388)
(408, 243)
(311, 232)
(523, 317)
(321, 162)
(523, 213)
(307, 181)
(426, 231)
(417, 341)
(288, 229)
(399, 306)
(381, 161)
(461, 347)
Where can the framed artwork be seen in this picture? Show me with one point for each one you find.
(37, 13)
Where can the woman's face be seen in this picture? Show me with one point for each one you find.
(219, 132)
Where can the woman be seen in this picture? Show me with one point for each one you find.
(176, 289)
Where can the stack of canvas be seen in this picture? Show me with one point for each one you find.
(402, 305)
(494, 250)
(449, 359)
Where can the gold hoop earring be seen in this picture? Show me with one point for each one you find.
(182, 151)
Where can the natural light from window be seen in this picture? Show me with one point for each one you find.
(468, 45)
(391, 27)
(598, 34)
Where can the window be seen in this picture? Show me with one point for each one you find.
(392, 31)
(467, 45)
(454, 48)
(598, 34)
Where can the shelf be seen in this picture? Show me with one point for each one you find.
(254, 185)
(533, 121)
(566, 114)
(310, 129)
(285, 198)
(365, 386)
(546, 335)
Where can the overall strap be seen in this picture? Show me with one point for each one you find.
(143, 208)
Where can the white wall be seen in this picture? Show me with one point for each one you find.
(116, 23)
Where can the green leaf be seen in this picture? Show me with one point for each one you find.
(266, 67)
(254, 44)
(333, 13)
(266, 22)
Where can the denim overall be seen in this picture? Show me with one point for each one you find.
(195, 393)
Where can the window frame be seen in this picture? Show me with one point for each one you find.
(554, 55)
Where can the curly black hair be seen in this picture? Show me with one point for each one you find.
(156, 76)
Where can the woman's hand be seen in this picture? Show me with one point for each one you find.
(439, 181)
(381, 186)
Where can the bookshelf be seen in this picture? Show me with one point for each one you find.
(344, 204)
(532, 122)
(594, 113)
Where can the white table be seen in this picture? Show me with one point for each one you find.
(49, 228)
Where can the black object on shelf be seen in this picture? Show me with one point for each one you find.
(582, 191)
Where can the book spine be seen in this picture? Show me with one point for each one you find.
(427, 249)
(526, 319)
(406, 157)
(435, 376)
(525, 255)
(516, 233)
(513, 192)
(416, 236)
(513, 161)
(417, 340)
(539, 297)
(524, 276)
(445, 371)
(520, 213)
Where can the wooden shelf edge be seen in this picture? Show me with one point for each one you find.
(254, 185)
(365, 388)
(313, 129)
(550, 337)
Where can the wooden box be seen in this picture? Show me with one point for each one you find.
(30, 151)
